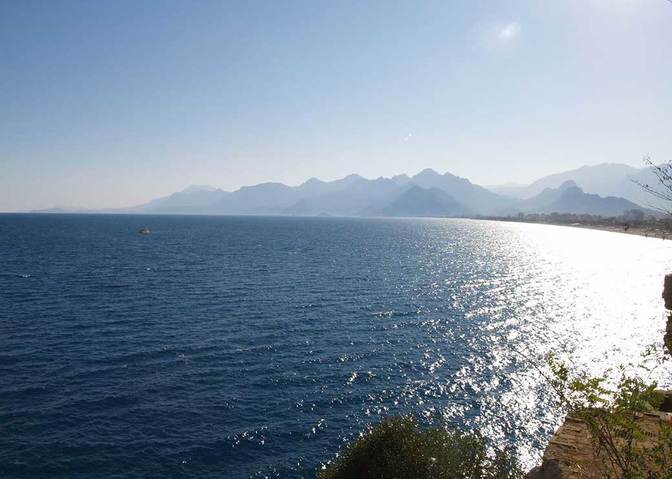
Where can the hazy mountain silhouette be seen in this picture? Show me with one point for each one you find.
(417, 201)
(277, 198)
(569, 198)
(610, 191)
(595, 179)
(606, 179)
(358, 198)
(425, 194)
(193, 199)
(402, 179)
(266, 198)
(476, 198)
(384, 196)
(574, 200)
(539, 203)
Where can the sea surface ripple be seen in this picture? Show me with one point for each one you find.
(220, 347)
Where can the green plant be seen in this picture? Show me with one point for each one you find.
(397, 448)
(629, 442)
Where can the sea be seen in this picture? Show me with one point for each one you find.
(255, 347)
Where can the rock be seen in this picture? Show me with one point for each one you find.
(668, 335)
(549, 470)
(667, 291)
(666, 405)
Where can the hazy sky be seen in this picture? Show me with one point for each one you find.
(110, 103)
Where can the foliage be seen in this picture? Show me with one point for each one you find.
(663, 174)
(629, 444)
(397, 448)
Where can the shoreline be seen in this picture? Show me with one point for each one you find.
(647, 232)
(636, 231)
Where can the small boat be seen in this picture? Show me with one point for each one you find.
(144, 231)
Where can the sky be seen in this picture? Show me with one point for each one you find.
(112, 103)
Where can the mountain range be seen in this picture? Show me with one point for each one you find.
(606, 179)
(604, 190)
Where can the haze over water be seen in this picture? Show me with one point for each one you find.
(237, 347)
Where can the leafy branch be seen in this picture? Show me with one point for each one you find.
(628, 440)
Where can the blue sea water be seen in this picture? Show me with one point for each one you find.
(225, 347)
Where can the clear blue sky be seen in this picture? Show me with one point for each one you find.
(111, 103)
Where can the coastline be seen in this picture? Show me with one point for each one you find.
(637, 230)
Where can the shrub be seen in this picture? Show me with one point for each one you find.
(398, 449)
(627, 445)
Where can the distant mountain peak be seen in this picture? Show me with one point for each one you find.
(418, 201)
(568, 184)
(312, 181)
(569, 198)
(402, 179)
(572, 190)
(556, 192)
(606, 179)
(198, 188)
(427, 172)
(448, 174)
